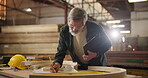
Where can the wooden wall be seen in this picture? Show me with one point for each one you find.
(29, 39)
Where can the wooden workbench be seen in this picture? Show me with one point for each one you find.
(29, 74)
(16, 74)
(111, 72)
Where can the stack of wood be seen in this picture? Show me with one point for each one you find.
(44, 65)
(29, 39)
(68, 66)
(36, 64)
(131, 58)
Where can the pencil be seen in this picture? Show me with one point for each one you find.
(52, 64)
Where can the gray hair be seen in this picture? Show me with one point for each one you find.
(77, 14)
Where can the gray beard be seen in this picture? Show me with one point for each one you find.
(74, 34)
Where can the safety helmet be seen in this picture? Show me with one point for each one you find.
(16, 60)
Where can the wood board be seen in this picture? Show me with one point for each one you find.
(141, 65)
(27, 63)
(36, 48)
(16, 74)
(113, 73)
(128, 58)
(27, 73)
(30, 28)
(29, 38)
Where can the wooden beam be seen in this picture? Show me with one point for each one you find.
(30, 28)
(27, 63)
(128, 6)
(46, 48)
(57, 3)
(109, 0)
(129, 59)
(30, 38)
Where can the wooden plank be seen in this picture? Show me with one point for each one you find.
(134, 52)
(138, 72)
(44, 48)
(29, 46)
(10, 35)
(127, 60)
(32, 51)
(27, 63)
(18, 74)
(31, 37)
(128, 54)
(142, 65)
(131, 58)
(30, 28)
(120, 73)
(112, 72)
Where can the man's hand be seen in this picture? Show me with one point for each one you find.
(89, 56)
(54, 68)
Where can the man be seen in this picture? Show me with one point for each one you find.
(75, 35)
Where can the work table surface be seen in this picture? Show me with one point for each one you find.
(16, 74)
(25, 74)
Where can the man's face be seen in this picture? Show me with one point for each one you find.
(76, 26)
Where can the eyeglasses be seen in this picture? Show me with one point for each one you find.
(78, 28)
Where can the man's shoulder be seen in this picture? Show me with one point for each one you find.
(90, 23)
(93, 25)
(64, 28)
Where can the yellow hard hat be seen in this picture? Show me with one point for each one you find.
(16, 60)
